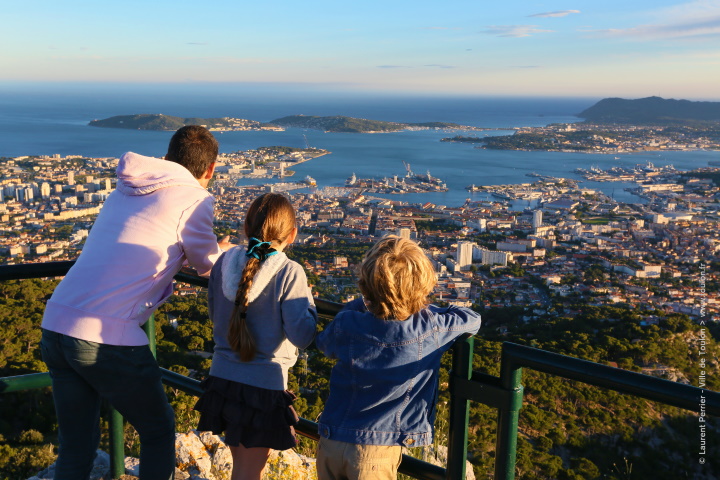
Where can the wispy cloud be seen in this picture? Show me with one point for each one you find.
(432, 65)
(525, 66)
(690, 29)
(196, 43)
(693, 20)
(513, 30)
(560, 13)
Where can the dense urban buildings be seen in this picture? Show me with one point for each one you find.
(575, 243)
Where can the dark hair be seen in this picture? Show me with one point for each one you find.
(270, 218)
(193, 147)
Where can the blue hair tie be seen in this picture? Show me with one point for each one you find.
(259, 249)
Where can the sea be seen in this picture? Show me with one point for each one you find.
(51, 119)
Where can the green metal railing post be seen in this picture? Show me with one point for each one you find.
(459, 410)
(508, 416)
(117, 427)
(117, 444)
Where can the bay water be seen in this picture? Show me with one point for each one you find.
(46, 121)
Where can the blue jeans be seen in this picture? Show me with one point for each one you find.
(83, 373)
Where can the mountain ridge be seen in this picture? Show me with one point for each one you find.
(651, 111)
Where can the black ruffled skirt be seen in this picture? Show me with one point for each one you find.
(251, 416)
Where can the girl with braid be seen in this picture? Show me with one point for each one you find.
(262, 312)
(388, 344)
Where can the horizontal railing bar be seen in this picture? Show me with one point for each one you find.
(35, 270)
(181, 382)
(325, 307)
(420, 469)
(651, 388)
(59, 269)
(191, 278)
(30, 381)
(481, 388)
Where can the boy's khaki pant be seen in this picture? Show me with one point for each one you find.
(348, 461)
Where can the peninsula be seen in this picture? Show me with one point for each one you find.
(614, 125)
(170, 123)
(328, 124)
(359, 125)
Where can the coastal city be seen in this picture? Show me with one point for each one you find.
(575, 243)
(601, 138)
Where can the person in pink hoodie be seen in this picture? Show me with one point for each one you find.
(159, 217)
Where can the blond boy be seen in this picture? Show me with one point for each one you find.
(388, 344)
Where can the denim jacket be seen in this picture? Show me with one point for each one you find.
(383, 388)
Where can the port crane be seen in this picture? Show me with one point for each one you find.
(407, 167)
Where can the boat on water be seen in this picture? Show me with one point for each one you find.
(502, 195)
(310, 181)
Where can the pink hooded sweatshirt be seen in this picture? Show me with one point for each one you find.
(158, 217)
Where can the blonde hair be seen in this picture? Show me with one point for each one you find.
(270, 218)
(396, 278)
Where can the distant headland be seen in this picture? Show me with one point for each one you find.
(328, 124)
(170, 123)
(359, 125)
(651, 111)
(616, 125)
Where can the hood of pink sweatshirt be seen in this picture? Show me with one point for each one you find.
(140, 175)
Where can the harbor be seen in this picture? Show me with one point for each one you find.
(410, 183)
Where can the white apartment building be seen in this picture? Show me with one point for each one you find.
(464, 255)
(490, 257)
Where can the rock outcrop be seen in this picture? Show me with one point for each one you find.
(204, 456)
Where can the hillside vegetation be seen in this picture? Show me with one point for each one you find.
(568, 430)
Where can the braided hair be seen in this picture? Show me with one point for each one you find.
(269, 222)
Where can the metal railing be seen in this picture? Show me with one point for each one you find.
(504, 393)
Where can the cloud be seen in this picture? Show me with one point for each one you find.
(560, 13)
(513, 30)
(432, 65)
(525, 66)
(442, 28)
(693, 20)
(196, 43)
(707, 27)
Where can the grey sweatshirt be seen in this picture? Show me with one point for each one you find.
(281, 316)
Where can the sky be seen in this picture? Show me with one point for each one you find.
(607, 48)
